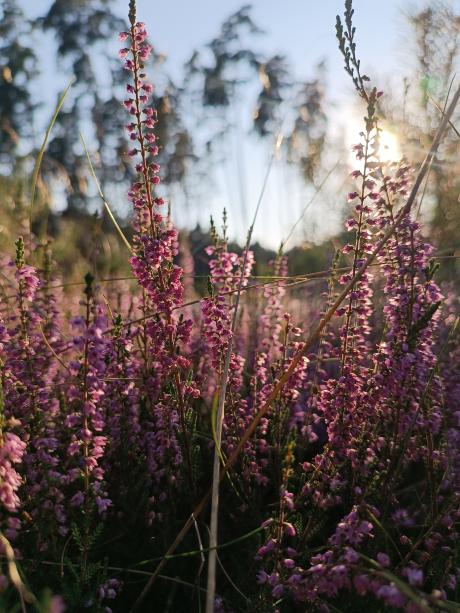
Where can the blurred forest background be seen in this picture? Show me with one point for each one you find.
(219, 119)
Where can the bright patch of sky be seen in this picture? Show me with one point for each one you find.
(304, 31)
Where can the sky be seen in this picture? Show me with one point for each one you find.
(303, 30)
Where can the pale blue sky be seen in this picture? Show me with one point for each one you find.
(303, 30)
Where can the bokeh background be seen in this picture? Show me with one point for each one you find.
(230, 80)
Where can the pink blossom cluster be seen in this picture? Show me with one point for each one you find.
(347, 494)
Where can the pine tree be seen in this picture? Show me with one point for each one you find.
(17, 68)
(83, 29)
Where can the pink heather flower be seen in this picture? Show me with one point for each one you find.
(77, 499)
(262, 577)
(11, 452)
(278, 591)
(391, 595)
(362, 584)
(107, 422)
(57, 605)
(383, 559)
(145, 52)
(414, 575)
(289, 529)
(103, 504)
(28, 281)
(351, 556)
(350, 224)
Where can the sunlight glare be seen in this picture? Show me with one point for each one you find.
(390, 148)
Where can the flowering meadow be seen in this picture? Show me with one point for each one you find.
(162, 451)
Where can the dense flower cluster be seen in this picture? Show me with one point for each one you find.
(385, 418)
(347, 494)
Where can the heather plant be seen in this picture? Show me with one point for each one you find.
(329, 451)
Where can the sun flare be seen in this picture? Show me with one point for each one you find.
(389, 143)
(390, 149)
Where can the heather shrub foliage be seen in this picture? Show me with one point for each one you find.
(340, 476)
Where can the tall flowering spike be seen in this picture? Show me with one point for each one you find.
(226, 270)
(31, 396)
(86, 420)
(43, 496)
(396, 424)
(121, 405)
(140, 129)
(155, 247)
(270, 322)
(353, 471)
(12, 448)
(343, 401)
(26, 275)
(14, 392)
